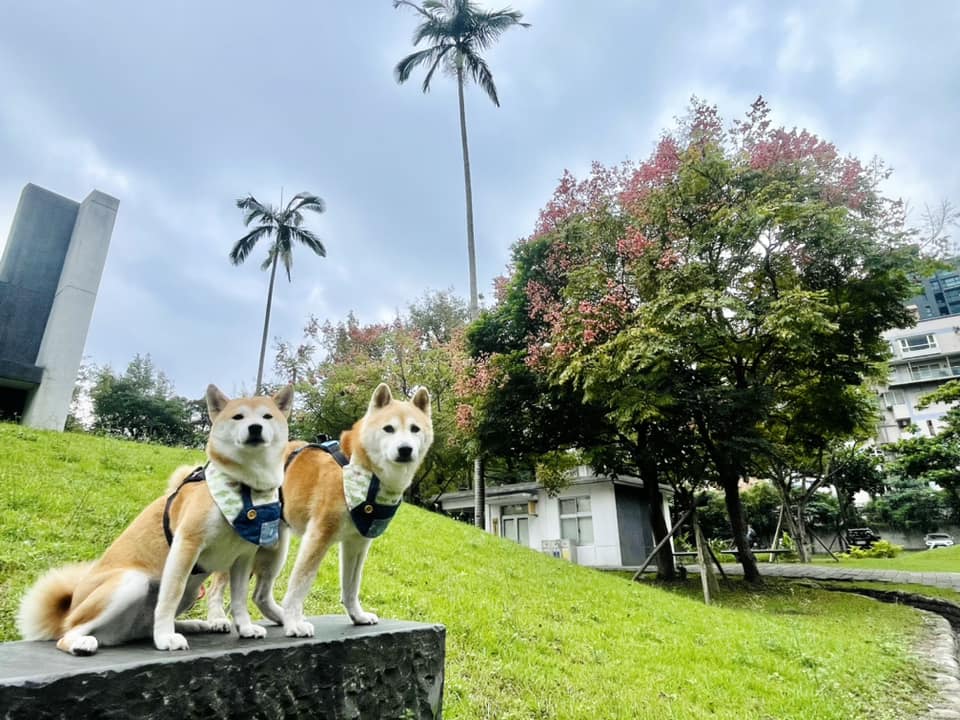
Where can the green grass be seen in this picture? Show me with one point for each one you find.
(939, 560)
(527, 636)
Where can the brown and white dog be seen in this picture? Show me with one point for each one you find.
(153, 571)
(327, 503)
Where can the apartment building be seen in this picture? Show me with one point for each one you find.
(923, 357)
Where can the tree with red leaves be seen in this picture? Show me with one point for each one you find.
(694, 296)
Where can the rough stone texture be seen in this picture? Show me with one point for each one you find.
(938, 649)
(391, 670)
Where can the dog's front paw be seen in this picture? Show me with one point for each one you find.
(220, 625)
(298, 629)
(252, 631)
(361, 617)
(84, 645)
(172, 641)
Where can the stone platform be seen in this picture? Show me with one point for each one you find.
(391, 670)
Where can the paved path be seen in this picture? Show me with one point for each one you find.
(948, 580)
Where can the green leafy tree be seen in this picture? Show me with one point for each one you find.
(336, 366)
(909, 505)
(140, 405)
(702, 291)
(285, 228)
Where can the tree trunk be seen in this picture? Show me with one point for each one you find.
(794, 531)
(266, 323)
(479, 482)
(479, 493)
(730, 481)
(801, 538)
(651, 491)
(471, 248)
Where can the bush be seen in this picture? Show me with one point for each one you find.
(788, 544)
(880, 549)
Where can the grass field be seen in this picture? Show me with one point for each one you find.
(939, 560)
(527, 636)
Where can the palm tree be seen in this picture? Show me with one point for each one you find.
(286, 227)
(458, 31)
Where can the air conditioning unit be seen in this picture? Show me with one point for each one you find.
(562, 548)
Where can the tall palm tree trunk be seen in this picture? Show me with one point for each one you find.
(479, 482)
(266, 323)
(471, 248)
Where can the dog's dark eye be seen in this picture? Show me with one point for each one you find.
(388, 428)
(414, 428)
(238, 416)
(267, 416)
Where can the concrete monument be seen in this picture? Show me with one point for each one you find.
(49, 275)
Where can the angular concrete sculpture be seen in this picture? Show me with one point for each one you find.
(49, 276)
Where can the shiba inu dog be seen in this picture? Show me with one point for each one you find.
(211, 519)
(346, 495)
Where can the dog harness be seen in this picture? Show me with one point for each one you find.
(254, 514)
(360, 488)
(256, 523)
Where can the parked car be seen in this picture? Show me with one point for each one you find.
(937, 540)
(861, 537)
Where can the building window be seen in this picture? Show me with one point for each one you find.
(576, 520)
(950, 281)
(916, 343)
(892, 397)
(929, 371)
(515, 523)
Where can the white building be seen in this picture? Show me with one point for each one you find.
(924, 357)
(594, 521)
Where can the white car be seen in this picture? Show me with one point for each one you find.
(937, 540)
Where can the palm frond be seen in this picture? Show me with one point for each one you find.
(286, 257)
(436, 63)
(254, 210)
(489, 26)
(421, 10)
(407, 65)
(245, 245)
(306, 201)
(482, 75)
(308, 238)
(265, 265)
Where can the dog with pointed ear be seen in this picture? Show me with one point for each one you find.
(152, 572)
(326, 502)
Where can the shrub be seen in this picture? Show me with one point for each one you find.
(880, 549)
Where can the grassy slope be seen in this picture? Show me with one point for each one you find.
(527, 636)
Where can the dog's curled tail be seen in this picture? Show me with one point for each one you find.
(178, 476)
(45, 605)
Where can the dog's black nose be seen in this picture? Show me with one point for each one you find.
(404, 453)
(255, 430)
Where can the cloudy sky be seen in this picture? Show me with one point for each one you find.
(179, 108)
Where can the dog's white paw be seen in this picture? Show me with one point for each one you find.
(361, 617)
(299, 629)
(84, 645)
(252, 631)
(220, 625)
(172, 641)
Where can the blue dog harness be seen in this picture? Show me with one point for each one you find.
(257, 524)
(370, 517)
